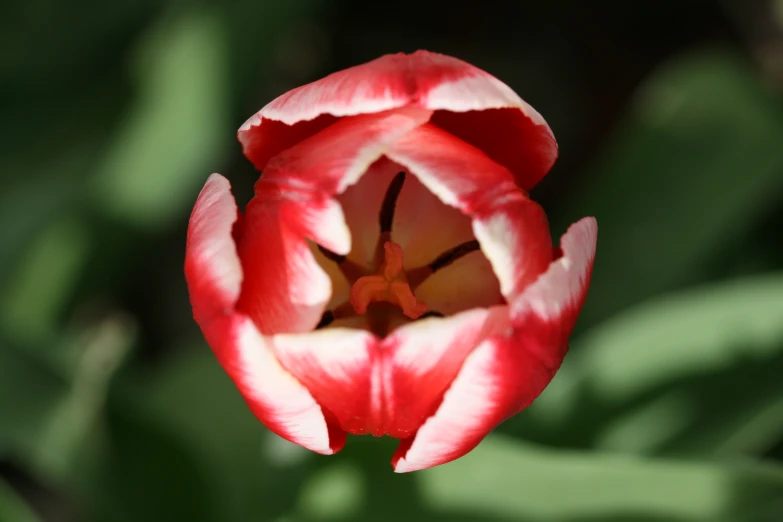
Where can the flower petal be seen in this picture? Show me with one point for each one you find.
(276, 398)
(424, 226)
(212, 267)
(386, 386)
(471, 104)
(512, 229)
(214, 276)
(285, 290)
(507, 372)
(339, 367)
(425, 356)
(467, 283)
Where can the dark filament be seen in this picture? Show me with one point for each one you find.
(390, 202)
(449, 256)
(331, 256)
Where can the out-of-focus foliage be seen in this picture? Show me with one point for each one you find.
(670, 121)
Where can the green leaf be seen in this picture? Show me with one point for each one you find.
(518, 482)
(13, 508)
(45, 426)
(696, 372)
(175, 134)
(45, 277)
(693, 168)
(250, 473)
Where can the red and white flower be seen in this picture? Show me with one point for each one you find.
(391, 276)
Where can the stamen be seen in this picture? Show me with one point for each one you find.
(351, 270)
(449, 256)
(389, 284)
(418, 275)
(390, 202)
(331, 256)
(431, 313)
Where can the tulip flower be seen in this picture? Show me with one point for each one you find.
(391, 275)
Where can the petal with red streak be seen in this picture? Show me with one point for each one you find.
(471, 104)
(285, 290)
(212, 268)
(507, 372)
(340, 368)
(389, 386)
(425, 356)
(512, 229)
(214, 276)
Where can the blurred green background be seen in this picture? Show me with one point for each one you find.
(669, 115)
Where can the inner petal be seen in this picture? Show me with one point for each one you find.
(467, 283)
(424, 226)
(361, 206)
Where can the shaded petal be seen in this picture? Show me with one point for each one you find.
(471, 103)
(424, 226)
(212, 268)
(214, 276)
(276, 398)
(507, 372)
(467, 283)
(336, 157)
(285, 290)
(361, 204)
(512, 230)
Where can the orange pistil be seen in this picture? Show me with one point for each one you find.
(389, 284)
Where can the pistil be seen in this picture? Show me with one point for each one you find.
(389, 284)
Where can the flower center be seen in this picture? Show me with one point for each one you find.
(390, 285)
(381, 294)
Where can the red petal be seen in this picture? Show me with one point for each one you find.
(471, 103)
(389, 386)
(212, 268)
(336, 365)
(506, 372)
(214, 276)
(276, 398)
(512, 229)
(426, 356)
(285, 290)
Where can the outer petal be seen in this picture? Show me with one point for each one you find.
(471, 104)
(506, 372)
(512, 229)
(389, 386)
(214, 276)
(212, 268)
(285, 290)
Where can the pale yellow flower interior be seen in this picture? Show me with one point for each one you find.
(443, 264)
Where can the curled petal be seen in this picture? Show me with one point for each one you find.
(285, 290)
(214, 277)
(426, 356)
(508, 371)
(389, 386)
(512, 229)
(470, 103)
(276, 398)
(340, 368)
(212, 267)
